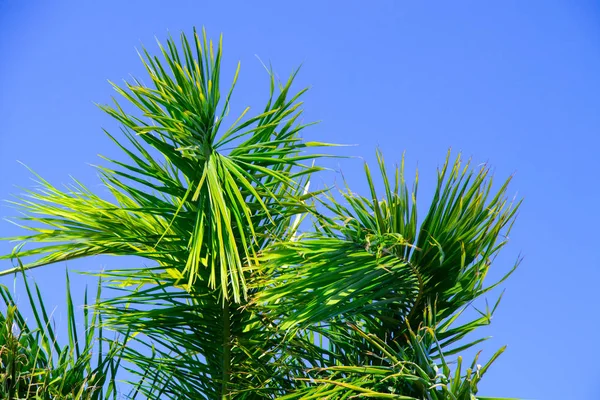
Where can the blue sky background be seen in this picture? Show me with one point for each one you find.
(512, 83)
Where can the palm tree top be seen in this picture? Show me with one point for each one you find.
(235, 301)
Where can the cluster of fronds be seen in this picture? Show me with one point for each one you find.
(33, 364)
(235, 302)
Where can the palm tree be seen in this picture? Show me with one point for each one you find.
(236, 301)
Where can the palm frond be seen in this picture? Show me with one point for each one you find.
(33, 363)
(369, 264)
(405, 373)
(199, 210)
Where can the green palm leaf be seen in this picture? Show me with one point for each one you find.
(199, 204)
(369, 266)
(198, 200)
(33, 363)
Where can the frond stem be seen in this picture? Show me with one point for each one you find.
(226, 350)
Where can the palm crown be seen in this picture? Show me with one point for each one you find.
(236, 302)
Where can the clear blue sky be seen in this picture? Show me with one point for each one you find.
(513, 83)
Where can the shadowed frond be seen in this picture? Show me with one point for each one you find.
(405, 373)
(33, 363)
